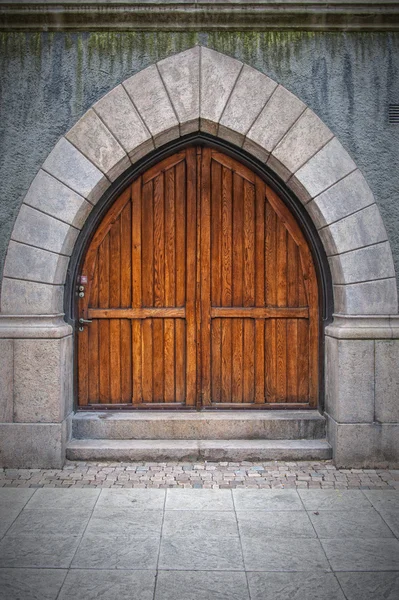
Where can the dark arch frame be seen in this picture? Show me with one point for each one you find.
(288, 197)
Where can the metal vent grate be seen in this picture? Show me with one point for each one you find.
(393, 114)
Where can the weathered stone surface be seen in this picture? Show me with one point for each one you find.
(377, 297)
(342, 199)
(218, 75)
(180, 74)
(6, 379)
(122, 119)
(364, 264)
(42, 380)
(52, 197)
(26, 262)
(387, 381)
(302, 141)
(364, 228)
(325, 168)
(243, 108)
(69, 165)
(37, 229)
(95, 141)
(30, 298)
(149, 96)
(279, 114)
(32, 445)
(350, 380)
(33, 326)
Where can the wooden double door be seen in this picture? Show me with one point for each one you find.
(201, 292)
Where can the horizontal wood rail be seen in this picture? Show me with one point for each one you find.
(220, 312)
(137, 313)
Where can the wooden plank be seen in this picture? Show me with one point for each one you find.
(292, 360)
(191, 245)
(137, 352)
(260, 358)
(158, 382)
(281, 264)
(169, 360)
(256, 312)
(292, 272)
(281, 350)
(115, 301)
(233, 165)
(103, 300)
(147, 360)
(136, 241)
(180, 233)
(271, 360)
(93, 355)
(180, 359)
(248, 385)
(227, 183)
(126, 255)
(303, 360)
(147, 246)
(216, 366)
(270, 256)
(83, 369)
(260, 242)
(167, 163)
(159, 240)
(205, 276)
(249, 245)
(136, 313)
(170, 238)
(238, 230)
(126, 360)
(226, 352)
(216, 238)
(237, 360)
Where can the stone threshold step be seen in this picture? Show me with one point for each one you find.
(184, 425)
(193, 450)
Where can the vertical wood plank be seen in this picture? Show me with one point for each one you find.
(216, 366)
(169, 359)
(281, 265)
(227, 185)
(237, 366)
(93, 358)
(170, 238)
(115, 302)
(216, 238)
(137, 301)
(292, 272)
(260, 242)
(147, 248)
(303, 360)
(126, 301)
(137, 360)
(271, 258)
(249, 244)
(147, 360)
(205, 276)
(271, 359)
(159, 240)
(260, 362)
(103, 301)
(292, 360)
(180, 358)
(281, 349)
(158, 382)
(248, 386)
(181, 250)
(191, 342)
(238, 222)
(226, 360)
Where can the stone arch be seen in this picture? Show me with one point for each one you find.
(199, 90)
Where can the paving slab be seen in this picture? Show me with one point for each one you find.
(275, 500)
(199, 500)
(255, 525)
(296, 586)
(112, 585)
(31, 584)
(349, 524)
(370, 586)
(201, 585)
(334, 499)
(284, 554)
(201, 552)
(362, 554)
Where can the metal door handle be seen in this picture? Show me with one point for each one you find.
(85, 321)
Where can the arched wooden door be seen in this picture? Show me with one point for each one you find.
(201, 292)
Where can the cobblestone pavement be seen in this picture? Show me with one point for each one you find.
(229, 475)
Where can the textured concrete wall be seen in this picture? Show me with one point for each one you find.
(49, 80)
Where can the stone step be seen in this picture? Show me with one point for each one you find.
(184, 425)
(192, 450)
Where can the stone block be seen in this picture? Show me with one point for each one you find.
(350, 380)
(349, 195)
(37, 229)
(42, 380)
(149, 96)
(279, 114)
(218, 76)
(26, 262)
(377, 297)
(387, 381)
(371, 262)
(325, 168)
(275, 165)
(19, 297)
(95, 141)
(32, 445)
(364, 445)
(6, 380)
(302, 141)
(69, 165)
(180, 74)
(243, 108)
(364, 228)
(116, 110)
(56, 199)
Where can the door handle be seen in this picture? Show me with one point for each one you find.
(85, 321)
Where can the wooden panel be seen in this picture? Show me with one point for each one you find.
(137, 313)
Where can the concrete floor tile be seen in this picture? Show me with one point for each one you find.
(383, 499)
(391, 518)
(349, 524)
(68, 499)
(334, 499)
(136, 499)
(201, 553)
(370, 586)
(117, 552)
(30, 584)
(15, 495)
(277, 500)
(48, 551)
(177, 499)
(197, 522)
(288, 554)
(110, 585)
(362, 554)
(201, 585)
(50, 522)
(284, 524)
(295, 586)
(120, 521)
(8, 514)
